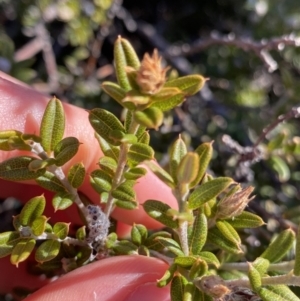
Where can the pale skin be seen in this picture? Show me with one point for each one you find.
(123, 278)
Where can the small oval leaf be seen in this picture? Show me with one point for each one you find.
(139, 152)
(158, 211)
(32, 210)
(52, 125)
(190, 84)
(47, 250)
(17, 169)
(104, 123)
(177, 151)
(188, 168)
(101, 181)
(38, 225)
(198, 236)
(205, 152)
(50, 182)
(208, 191)
(22, 251)
(62, 201)
(135, 173)
(65, 150)
(76, 175)
(246, 220)
(151, 118)
(8, 240)
(61, 230)
(280, 246)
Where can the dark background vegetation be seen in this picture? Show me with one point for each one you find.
(65, 47)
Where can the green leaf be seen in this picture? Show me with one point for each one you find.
(283, 291)
(37, 164)
(132, 59)
(61, 230)
(81, 233)
(261, 265)
(198, 269)
(122, 137)
(104, 123)
(124, 192)
(177, 151)
(208, 191)
(170, 244)
(246, 220)
(151, 118)
(281, 167)
(190, 84)
(16, 142)
(177, 288)
(38, 225)
(111, 240)
(114, 91)
(158, 211)
(21, 251)
(152, 243)
(144, 138)
(52, 125)
(32, 210)
(160, 173)
(50, 182)
(297, 254)
(167, 99)
(4, 137)
(185, 261)
(254, 277)
(217, 238)
(107, 149)
(277, 142)
(125, 247)
(47, 250)
(62, 201)
(120, 64)
(280, 246)
(108, 164)
(210, 258)
(139, 152)
(205, 152)
(100, 181)
(228, 231)
(198, 236)
(188, 168)
(268, 295)
(138, 234)
(8, 240)
(17, 169)
(168, 276)
(135, 173)
(65, 150)
(76, 175)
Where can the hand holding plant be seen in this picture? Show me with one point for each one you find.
(201, 242)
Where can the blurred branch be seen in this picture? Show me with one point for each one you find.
(260, 48)
(251, 154)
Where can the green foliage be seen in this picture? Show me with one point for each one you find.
(204, 237)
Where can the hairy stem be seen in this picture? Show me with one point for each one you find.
(117, 180)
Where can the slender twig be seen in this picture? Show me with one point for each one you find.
(260, 48)
(285, 266)
(118, 177)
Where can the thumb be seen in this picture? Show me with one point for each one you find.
(122, 278)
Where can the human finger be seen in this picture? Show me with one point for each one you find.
(122, 278)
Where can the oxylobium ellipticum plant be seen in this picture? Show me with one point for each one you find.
(200, 241)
